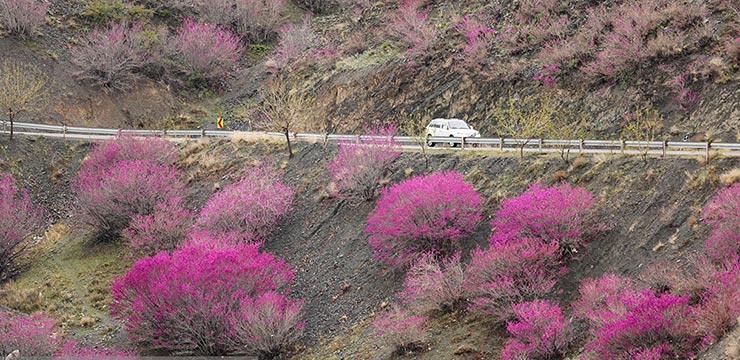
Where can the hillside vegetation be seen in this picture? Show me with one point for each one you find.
(358, 250)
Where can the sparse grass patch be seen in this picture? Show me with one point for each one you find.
(67, 278)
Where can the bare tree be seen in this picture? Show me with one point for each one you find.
(567, 125)
(415, 126)
(645, 125)
(22, 90)
(525, 120)
(284, 107)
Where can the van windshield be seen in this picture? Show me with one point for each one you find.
(458, 124)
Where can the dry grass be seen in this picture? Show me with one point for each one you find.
(732, 349)
(560, 175)
(730, 177)
(579, 162)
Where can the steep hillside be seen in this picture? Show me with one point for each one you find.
(650, 206)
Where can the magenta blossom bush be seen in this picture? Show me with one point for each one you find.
(718, 307)
(269, 322)
(111, 58)
(162, 230)
(360, 166)
(433, 284)
(35, 335)
(19, 219)
(205, 53)
(248, 210)
(107, 154)
(430, 213)
(539, 331)
(204, 300)
(722, 213)
(72, 349)
(558, 214)
(412, 27)
(22, 17)
(605, 299)
(400, 331)
(110, 199)
(650, 323)
(509, 273)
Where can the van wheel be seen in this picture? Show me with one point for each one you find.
(452, 144)
(429, 141)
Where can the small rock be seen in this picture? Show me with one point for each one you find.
(14, 354)
(383, 305)
(343, 318)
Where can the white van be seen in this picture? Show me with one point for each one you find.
(449, 128)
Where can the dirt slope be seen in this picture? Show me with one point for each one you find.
(647, 203)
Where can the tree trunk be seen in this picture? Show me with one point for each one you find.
(287, 138)
(11, 116)
(521, 151)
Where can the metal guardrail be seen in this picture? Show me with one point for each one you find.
(478, 144)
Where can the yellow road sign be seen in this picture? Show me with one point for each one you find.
(220, 123)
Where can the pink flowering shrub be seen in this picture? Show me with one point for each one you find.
(718, 308)
(412, 27)
(248, 210)
(205, 54)
(111, 58)
(34, 335)
(539, 331)
(106, 155)
(125, 177)
(477, 36)
(431, 213)
(433, 284)
(400, 331)
(722, 213)
(509, 273)
(71, 349)
(19, 219)
(22, 17)
(109, 199)
(162, 230)
(650, 322)
(558, 214)
(295, 44)
(269, 323)
(205, 300)
(360, 166)
(605, 299)
(642, 30)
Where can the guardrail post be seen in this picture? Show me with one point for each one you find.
(708, 145)
(164, 133)
(64, 132)
(462, 143)
(357, 141)
(501, 144)
(622, 145)
(540, 145)
(665, 147)
(202, 133)
(580, 147)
